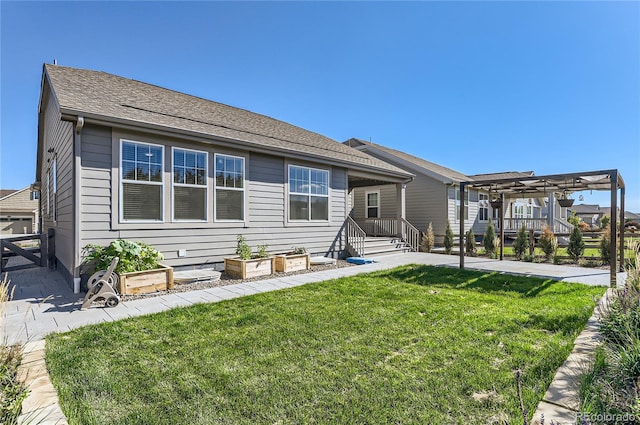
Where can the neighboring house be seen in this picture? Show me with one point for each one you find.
(18, 212)
(433, 196)
(589, 213)
(630, 216)
(119, 158)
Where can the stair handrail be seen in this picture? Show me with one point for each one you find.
(561, 225)
(355, 236)
(410, 235)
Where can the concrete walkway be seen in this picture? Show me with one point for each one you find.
(44, 303)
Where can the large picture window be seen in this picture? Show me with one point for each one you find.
(189, 185)
(141, 181)
(229, 187)
(308, 193)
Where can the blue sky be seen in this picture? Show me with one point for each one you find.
(479, 87)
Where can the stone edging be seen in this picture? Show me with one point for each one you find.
(41, 405)
(561, 401)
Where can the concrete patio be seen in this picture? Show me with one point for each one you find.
(43, 302)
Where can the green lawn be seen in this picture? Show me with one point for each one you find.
(409, 345)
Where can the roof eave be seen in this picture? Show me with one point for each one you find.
(414, 167)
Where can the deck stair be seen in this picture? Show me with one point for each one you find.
(384, 245)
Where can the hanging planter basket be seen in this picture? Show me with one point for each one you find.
(496, 204)
(565, 203)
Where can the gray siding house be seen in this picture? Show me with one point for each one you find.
(18, 212)
(434, 195)
(119, 158)
(431, 196)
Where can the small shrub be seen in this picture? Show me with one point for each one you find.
(574, 219)
(633, 267)
(584, 226)
(298, 250)
(521, 244)
(428, 240)
(604, 246)
(470, 243)
(448, 239)
(576, 244)
(262, 251)
(489, 240)
(243, 250)
(631, 226)
(604, 221)
(548, 243)
(134, 256)
(496, 243)
(612, 385)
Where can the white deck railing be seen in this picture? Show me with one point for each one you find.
(379, 226)
(410, 235)
(355, 237)
(535, 224)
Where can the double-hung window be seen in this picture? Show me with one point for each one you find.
(466, 204)
(141, 181)
(229, 187)
(189, 185)
(373, 204)
(483, 207)
(308, 194)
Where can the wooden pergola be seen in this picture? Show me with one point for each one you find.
(541, 186)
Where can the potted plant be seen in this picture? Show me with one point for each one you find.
(139, 269)
(294, 260)
(565, 201)
(248, 264)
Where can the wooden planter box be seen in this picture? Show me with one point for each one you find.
(146, 281)
(244, 269)
(292, 262)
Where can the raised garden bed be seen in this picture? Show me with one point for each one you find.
(292, 262)
(253, 267)
(143, 282)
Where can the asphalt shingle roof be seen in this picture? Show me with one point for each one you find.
(113, 98)
(445, 172)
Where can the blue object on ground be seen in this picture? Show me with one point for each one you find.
(360, 260)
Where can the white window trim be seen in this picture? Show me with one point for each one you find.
(457, 203)
(483, 203)
(309, 194)
(122, 181)
(197, 186)
(46, 191)
(54, 188)
(366, 203)
(244, 185)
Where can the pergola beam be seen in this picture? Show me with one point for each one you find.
(537, 186)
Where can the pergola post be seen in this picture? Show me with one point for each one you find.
(613, 269)
(501, 226)
(463, 187)
(621, 253)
